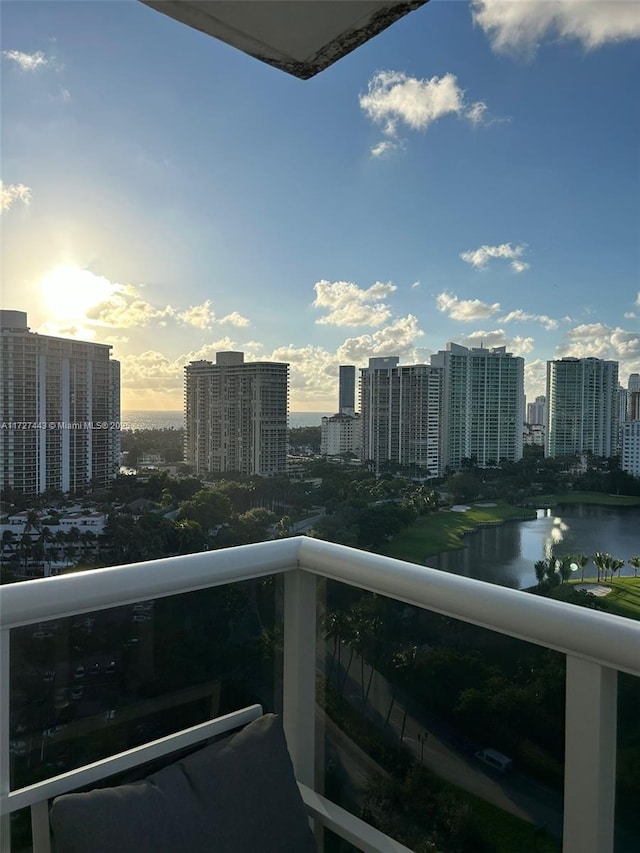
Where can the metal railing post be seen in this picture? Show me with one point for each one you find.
(299, 682)
(5, 763)
(590, 757)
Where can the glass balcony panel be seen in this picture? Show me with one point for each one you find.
(89, 686)
(438, 732)
(627, 817)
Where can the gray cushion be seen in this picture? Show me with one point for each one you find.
(235, 796)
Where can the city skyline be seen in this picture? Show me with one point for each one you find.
(464, 177)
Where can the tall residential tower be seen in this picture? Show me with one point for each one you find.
(582, 412)
(400, 408)
(482, 405)
(60, 409)
(347, 389)
(236, 415)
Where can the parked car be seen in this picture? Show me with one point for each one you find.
(494, 759)
(79, 672)
(77, 692)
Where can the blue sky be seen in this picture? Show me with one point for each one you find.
(471, 175)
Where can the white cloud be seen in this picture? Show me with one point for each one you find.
(13, 192)
(68, 329)
(465, 309)
(26, 61)
(396, 339)
(630, 315)
(394, 98)
(638, 299)
(599, 340)
(476, 112)
(313, 371)
(517, 345)
(588, 330)
(415, 285)
(479, 258)
(384, 148)
(522, 25)
(351, 305)
(198, 316)
(126, 308)
(234, 319)
(521, 316)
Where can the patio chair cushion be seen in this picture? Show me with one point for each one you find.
(236, 796)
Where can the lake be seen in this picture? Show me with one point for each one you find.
(507, 553)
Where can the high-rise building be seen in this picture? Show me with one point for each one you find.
(347, 389)
(536, 410)
(634, 382)
(340, 434)
(400, 410)
(236, 415)
(630, 454)
(482, 405)
(622, 403)
(582, 412)
(60, 407)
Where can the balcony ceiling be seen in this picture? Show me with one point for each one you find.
(301, 37)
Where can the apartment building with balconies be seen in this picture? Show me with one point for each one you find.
(482, 405)
(400, 409)
(582, 407)
(236, 415)
(60, 410)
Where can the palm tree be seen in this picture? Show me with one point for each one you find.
(615, 566)
(564, 569)
(9, 536)
(87, 540)
(600, 561)
(540, 568)
(635, 562)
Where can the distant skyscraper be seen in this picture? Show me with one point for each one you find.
(630, 455)
(400, 410)
(622, 406)
(634, 382)
(347, 390)
(236, 415)
(341, 434)
(582, 412)
(633, 406)
(60, 408)
(482, 405)
(536, 411)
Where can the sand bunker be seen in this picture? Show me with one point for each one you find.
(593, 589)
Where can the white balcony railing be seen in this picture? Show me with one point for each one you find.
(597, 647)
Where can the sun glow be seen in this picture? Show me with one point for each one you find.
(69, 292)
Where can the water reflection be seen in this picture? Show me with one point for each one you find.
(506, 555)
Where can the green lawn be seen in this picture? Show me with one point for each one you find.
(596, 498)
(624, 599)
(444, 531)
